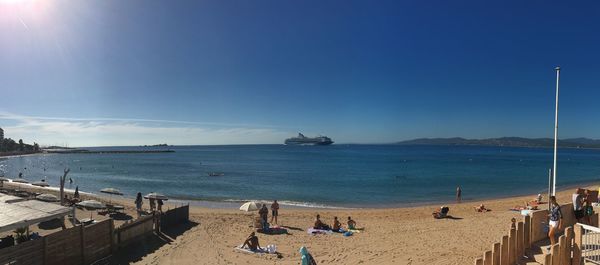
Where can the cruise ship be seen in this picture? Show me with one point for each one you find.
(303, 140)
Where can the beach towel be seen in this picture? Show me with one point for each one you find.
(314, 231)
(355, 230)
(249, 251)
(274, 231)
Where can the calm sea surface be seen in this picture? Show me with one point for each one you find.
(335, 176)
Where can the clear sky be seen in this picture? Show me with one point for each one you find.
(115, 72)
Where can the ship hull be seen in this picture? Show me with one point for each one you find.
(308, 143)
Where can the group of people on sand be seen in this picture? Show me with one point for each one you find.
(582, 209)
(582, 206)
(263, 212)
(336, 226)
(252, 242)
(155, 204)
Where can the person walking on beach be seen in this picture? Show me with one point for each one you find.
(274, 211)
(458, 194)
(555, 220)
(138, 203)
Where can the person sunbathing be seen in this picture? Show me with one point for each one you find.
(481, 208)
(319, 224)
(351, 223)
(252, 242)
(443, 213)
(337, 226)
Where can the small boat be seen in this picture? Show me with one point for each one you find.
(216, 174)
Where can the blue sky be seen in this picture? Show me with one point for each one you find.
(226, 72)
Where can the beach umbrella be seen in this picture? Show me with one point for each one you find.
(40, 183)
(91, 205)
(111, 191)
(156, 196)
(249, 206)
(47, 197)
(20, 181)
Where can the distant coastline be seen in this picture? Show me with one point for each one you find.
(507, 141)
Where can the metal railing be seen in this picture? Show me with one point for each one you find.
(590, 244)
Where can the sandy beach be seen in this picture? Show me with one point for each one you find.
(391, 236)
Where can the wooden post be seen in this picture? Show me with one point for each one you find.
(547, 259)
(568, 245)
(520, 236)
(479, 261)
(578, 236)
(487, 258)
(504, 251)
(527, 232)
(562, 248)
(512, 248)
(555, 254)
(496, 254)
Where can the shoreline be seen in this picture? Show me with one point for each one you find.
(234, 204)
(407, 235)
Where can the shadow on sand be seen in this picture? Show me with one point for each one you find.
(136, 251)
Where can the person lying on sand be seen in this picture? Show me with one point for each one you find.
(351, 223)
(443, 213)
(481, 208)
(252, 242)
(337, 226)
(319, 224)
(527, 206)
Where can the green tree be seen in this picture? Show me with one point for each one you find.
(36, 147)
(21, 145)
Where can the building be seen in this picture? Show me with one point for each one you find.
(1, 134)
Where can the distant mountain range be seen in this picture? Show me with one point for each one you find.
(507, 141)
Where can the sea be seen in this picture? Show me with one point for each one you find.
(335, 176)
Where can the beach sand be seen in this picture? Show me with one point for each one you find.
(391, 236)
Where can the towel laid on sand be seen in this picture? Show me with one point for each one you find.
(314, 231)
(247, 250)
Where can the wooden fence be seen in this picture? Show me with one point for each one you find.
(174, 216)
(77, 245)
(86, 244)
(128, 232)
(533, 228)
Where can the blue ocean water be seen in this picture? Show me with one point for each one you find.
(336, 175)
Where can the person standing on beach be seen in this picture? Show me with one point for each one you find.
(578, 205)
(458, 194)
(555, 220)
(264, 215)
(160, 204)
(274, 211)
(152, 204)
(138, 203)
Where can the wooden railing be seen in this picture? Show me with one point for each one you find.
(532, 229)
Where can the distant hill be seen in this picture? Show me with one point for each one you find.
(507, 141)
